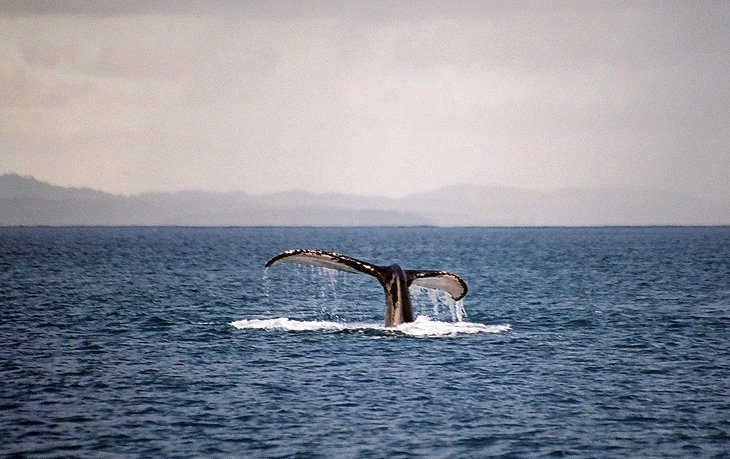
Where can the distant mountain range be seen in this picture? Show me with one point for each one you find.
(27, 201)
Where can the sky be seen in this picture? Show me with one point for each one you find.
(382, 98)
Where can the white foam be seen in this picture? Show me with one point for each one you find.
(283, 323)
(421, 327)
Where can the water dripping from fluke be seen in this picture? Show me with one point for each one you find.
(441, 301)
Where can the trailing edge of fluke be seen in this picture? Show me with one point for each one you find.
(393, 278)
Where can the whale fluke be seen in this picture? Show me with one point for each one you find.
(393, 278)
(331, 260)
(438, 280)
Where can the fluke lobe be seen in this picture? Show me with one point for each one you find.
(393, 278)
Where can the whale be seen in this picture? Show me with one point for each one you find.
(394, 279)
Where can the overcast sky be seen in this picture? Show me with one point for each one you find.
(374, 98)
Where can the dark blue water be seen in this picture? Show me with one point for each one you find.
(605, 342)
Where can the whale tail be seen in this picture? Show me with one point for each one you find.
(439, 280)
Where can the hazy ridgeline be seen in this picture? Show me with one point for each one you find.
(25, 201)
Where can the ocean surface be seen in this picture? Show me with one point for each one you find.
(175, 342)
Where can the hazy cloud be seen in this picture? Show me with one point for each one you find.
(371, 97)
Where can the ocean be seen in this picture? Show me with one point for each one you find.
(176, 342)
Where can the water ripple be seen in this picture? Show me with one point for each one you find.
(168, 342)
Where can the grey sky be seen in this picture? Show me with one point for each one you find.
(375, 98)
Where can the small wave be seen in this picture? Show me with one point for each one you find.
(421, 327)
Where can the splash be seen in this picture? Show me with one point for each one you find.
(441, 300)
(283, 323)
(457, 310)
(328, 282)
(421, 327)
(303, 283)
(325, 294)
(266, 283)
